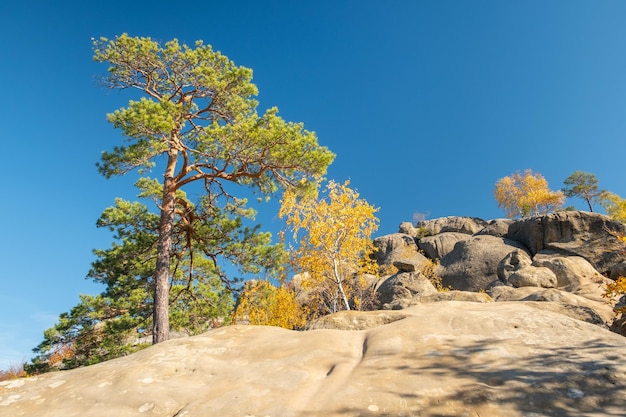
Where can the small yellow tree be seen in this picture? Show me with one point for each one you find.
(614, 205)
(617, 288)
(263, 304)
(333, 234)
(526, 194)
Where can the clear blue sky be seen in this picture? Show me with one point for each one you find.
(426, 104)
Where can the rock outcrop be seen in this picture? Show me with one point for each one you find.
(444, 359)
(519, 328)
(562, 258)
(472, 265)
(516, 269)
(572, 233)
(467, 225)
(403, 285)
(497, 227)
(394, 247)
(439, 245)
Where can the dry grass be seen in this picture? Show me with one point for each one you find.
(429, 269)
(13, 372)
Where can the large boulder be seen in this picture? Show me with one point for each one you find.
(473, 263)
(410, 264)
(516, 269)
(574, 274)
(497, 227)
(589, 235)
(439, 245)
(392, 247)
(467, 225)
(513, 261)
(533, 277)
(407, 228)
(404, 285)
(444, 359)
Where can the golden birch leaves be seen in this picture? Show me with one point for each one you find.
(332, 234)
(526, 194)
(614, 205)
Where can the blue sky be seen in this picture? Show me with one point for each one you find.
(426, 104)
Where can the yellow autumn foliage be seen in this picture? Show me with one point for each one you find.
(263, 304)
(333, 240)
(617, 288)
(614, 205)
(521, 195)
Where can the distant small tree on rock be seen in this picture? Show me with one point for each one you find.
(583, 185)
(527, 194)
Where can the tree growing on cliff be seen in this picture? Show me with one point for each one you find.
(583, 185)
(526, 194)
(333, 234)
(197, 118)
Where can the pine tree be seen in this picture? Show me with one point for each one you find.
(197, 114)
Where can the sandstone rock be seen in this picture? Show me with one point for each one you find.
(533, 277)
(619, 326)
(403, 285)
(572, 233)
(497, 227)
(472, 265)
(439, 245)
(595, 312)
(618, 270)
(574, 274)
(467, 225)
(395, 246)
(409, 264)
(443, 359)
(407, 228)
(452, 295)
(516, 269)
(355, 320)
(512, 262)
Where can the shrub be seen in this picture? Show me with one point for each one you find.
(13, 372)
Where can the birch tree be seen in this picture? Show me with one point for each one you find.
(521, 195)
(333, 238)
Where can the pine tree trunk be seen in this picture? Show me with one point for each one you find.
(161, 325)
